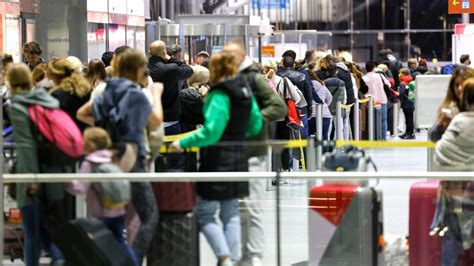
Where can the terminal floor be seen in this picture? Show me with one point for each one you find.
(294, 212)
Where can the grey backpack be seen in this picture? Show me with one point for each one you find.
(112, 194)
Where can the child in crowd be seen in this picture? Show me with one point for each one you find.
(407, 98)
(96, 147)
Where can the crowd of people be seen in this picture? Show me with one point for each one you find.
(125, 102)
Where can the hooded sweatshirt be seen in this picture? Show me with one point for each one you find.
(94, 209)
(26, 144)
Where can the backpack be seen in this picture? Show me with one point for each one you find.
(447, 69)
(59, 139)
(110, 123)
(111, 194)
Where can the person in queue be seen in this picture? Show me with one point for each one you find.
(32, 52)
(35, 202)
(465, 60)
(451, 103)
(287, 91)
(172, 73)
(201, 57)
(231, 114)
(272, 108)
(324, 94)
(136, 113)
(376, 82)
(70, 87)
(96, 77)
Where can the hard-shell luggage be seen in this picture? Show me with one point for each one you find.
(174, 196)
(176, 241)
(345, 226)
(89, 242)
(13, 240)
(425, 250)
(364, 109)
(378, 134)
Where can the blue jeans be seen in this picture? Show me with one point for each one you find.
(37, 235)
(384, 121)
(224, 242)
(117, 227)
(326, 124)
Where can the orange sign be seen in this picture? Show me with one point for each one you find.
(268, 51)
(460, 6)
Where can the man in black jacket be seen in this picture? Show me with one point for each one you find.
(171, 72)
(300, 81)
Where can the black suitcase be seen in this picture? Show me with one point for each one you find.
(176, 241)
(89, 242)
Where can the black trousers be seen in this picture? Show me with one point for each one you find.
(410, 126)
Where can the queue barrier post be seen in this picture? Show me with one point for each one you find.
(319, 135)
(339, 123)
(371, 119)
(396, 110)
(356, 133)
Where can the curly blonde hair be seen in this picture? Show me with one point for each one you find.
(66, 78)
(199, 79)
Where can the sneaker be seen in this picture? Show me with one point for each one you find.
(257, 261)
(225, 262)
(409, 136)
(403, 135)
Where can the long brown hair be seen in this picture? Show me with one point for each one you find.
(467, 100)
(460, 72)
(96, 72)
(66, 78)
(312, 72)
(222, 66)
(127, 64)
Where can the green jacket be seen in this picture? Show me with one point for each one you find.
(26, 146)
(272, 106)
(216, 116)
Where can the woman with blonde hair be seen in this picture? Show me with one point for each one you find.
(70, 87)
(231, 114)
(34, 201)
(192, 99)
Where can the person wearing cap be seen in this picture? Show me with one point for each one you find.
(465, 60)
(201, 57)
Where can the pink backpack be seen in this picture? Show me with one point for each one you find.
(57, 127)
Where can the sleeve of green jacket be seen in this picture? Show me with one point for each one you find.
(272, 106)
(216, 116)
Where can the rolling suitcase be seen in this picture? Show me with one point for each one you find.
(88, 242)
(425, 250)
(377, 122)
(176, 241)
(345, 226)
(13, 240)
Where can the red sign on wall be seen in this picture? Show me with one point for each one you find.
(460, 6)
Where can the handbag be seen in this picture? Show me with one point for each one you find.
(294, 113)
(392, 95)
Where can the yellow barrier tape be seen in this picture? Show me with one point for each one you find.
(179, 136)
(364, 100)
(386, 144)
(344, 106)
